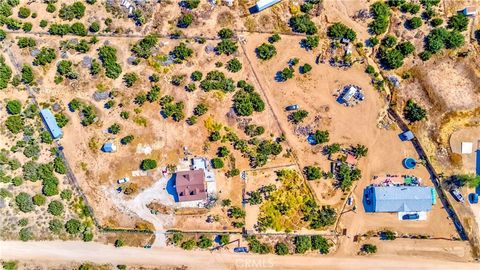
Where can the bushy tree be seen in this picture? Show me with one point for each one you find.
(108, 56)
(144, 47)
(414, 23)
(185, 20)
(320, 243)
(5, 73)
(73, 11)
(281, 249)
(55, 208)
(78, 29)
(130, 78)
(225, 33)
(369, 248)
(148, 164)
(226, 46)
(181, 52)
(458, 22)
(339, 30)
(321, 136)
(266, 51)
(217, 163)
(14, 106)
(302, 24)
(312, 172)
(205, 242)
(24, 12)
(73, 226)
(24, 202)
(311, 42)
(27, 74)
(234, 65)
(406, 48)
(302, 243)
(298, 116)
(414, 112)
(190, 4)
(45, 56)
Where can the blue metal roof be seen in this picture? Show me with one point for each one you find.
(51, 123)
(108, 147)
(398, 199)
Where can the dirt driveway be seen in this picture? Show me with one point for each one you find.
(59, 252)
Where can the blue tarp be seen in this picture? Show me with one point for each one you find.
(108, 147)
(478, 162)
(51, 123)
(398, 199)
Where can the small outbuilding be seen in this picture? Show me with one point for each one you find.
(469, 11)
(109, 147)
(394, 199)
(51, 123)
(264, 4)
(467, 147)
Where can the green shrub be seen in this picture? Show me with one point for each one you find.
(204, 242)
(226, 46)
(24, 12)
(217, 163)
(312, 172)
(144, 47)
(148, 164)
(73, 11)
(281, 249)
(38, 200)
(234, 65)
(15, 123)
(25, 234)
(24, 42)
(266, 51)
(24, 202)
(55, 208)
(414, 23)
(302, 24)
(369, 248)
(27, 74)
(55, 226)
(14, 106)
(73, 226)
(339, 31)
(94, 27)
(414, 112)
(108, 56)
(45, 56)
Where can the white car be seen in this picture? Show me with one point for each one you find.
(123, 180)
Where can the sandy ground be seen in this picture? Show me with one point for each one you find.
(98, 253)
(466, 135)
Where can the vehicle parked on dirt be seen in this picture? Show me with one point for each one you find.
(457, 195)
(292, 107)
(123, 180)
(240, 250)
(413, 216)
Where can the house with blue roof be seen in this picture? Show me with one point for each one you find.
(51, 123)
(394, 199)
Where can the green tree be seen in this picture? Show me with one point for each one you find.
(414, 23)
(298, 116)
(414, 112)
(217, 163)
(204, 242)
(38, 200)
(224, 239)
(55, 208)
(281, 249)
(24, 202)
(27, 74)
(320, 243)
(339, 31)
(148, 164)
(369, 248)
(119, 243)
(302, 243)
(73, 11)
(321, 136)
(406, 48)
(266, 51)
(108, 56)
(44, 57)
(24, 12)
(234, 65)
(458, 22)
(94, 27)
(312, 172)
(26, 42)
(25, 234)
(226, 46)
(302, 24)
(55, 225)
(181, 52)
(185, 20)
(14, 106)
(73, 226)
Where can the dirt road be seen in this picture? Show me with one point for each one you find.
(72, 251)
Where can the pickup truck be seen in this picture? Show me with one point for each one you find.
(457, 195)
(123, 180)
(240, 250)
(413, 216)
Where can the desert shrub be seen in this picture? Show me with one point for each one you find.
(381, 17)
(266, 51)
(148, 164)
(436, 22)
(226, 46)
(297, 116)
(55, 226)
(406, 48)
(196, 76)
(15, 123)
(302, 24)
(130, 78)
(217, 163)
(369, 248)
(73, 11)
(24, 202)
(411, 8)
(258, 247)
(458, 22)
(190, 4)
(45, 56)
(339, 31)
(5, 73)
(302, 243)
(144, 47)
(204, 242)
(24, 42)
(25, 234)
(14, 106)
(320, 243)
(234, 65)
(414, 23)
(281, 249)
(391, 58)
(38, 199)
(181, 52)
(414, 112)
(73, 226)
(388, 235)
(55, 208)
(24, 12)
(78, 29)
(94, 27)
(59, 29)
(312, 172)
(245, 103)
(108, 56)
(188, 245)
(3, 35)
(185, 20)
(274, 38)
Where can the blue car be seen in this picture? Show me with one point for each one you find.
(292, 108)
(240, 250)
(410, 216)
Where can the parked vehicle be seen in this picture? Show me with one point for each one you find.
(292, 107)
(413, 216)
(457, 195)
(123, 180)
(240, 250)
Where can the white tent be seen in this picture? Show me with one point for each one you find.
(467, 147)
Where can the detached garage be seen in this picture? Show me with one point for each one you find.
(51, 123)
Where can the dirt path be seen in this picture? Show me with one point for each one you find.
(71, 251)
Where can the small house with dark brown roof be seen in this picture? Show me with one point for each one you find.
(190, 185)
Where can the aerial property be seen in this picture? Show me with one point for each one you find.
(190, 185)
